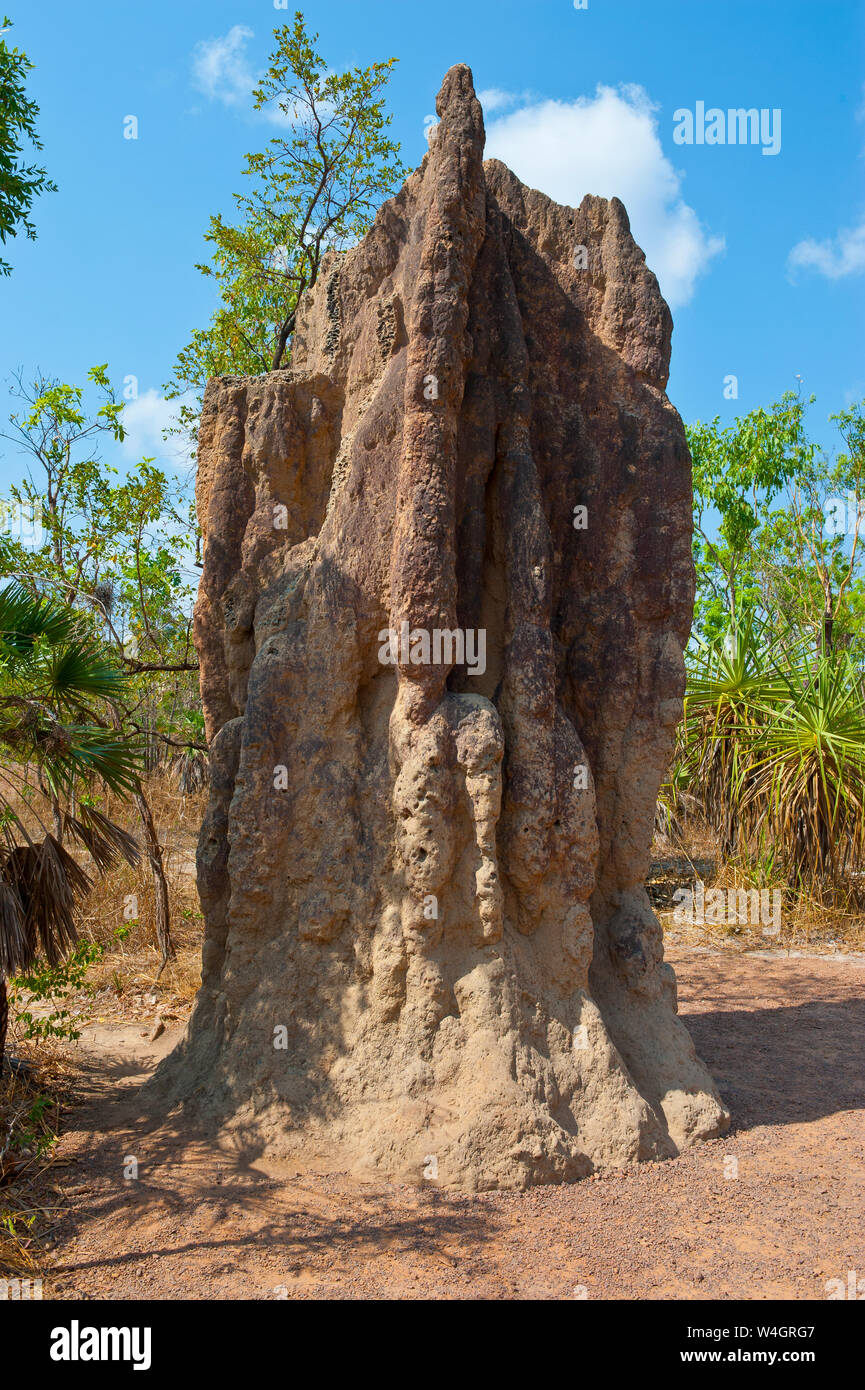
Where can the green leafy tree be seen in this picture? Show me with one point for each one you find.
(809, 552)
(739, 471)
(772, 749)
(20, 182)
(116, 550)
(314, 189)
(119, 548)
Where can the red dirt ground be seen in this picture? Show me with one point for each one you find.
(785, 1038)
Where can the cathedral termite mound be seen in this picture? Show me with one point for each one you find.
(447, 583)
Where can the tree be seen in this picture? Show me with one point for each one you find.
(808, 554)
(20, 183)
(54, 678)
(116, 549)
(312, 190)
(778, 526)
(773, 743)
(738, 473)
(115, 552)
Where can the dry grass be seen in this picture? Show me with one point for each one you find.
(807, 922)
(122, 984)
(119, 914)
(126, 894)
(32, 1103)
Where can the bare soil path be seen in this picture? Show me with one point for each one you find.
(775, 1209)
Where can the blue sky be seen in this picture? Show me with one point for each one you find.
(762, 256)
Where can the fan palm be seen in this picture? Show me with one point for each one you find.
(54, 677)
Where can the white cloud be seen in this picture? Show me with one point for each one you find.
(834, 257)
(609, 145)
(220, 69)
(145, 419)
(496, 99)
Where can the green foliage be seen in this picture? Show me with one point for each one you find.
(767, 541)
(52, 985)
(738, 472)
(54, 677)
(20, 183)
(119, 550)
(774, 745)
(808, 553)
(725, 681)
(50, 673)
(34, 1133)
(773, 742)
(314, 189)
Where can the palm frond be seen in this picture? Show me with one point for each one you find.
(47, 883)
(25, 618)
(13, 939)
(105, 841)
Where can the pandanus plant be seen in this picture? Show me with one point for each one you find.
(54, 746)
(728, 685)
(774, 741)
(807, 783)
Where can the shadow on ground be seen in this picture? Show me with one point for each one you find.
(785, 1065)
